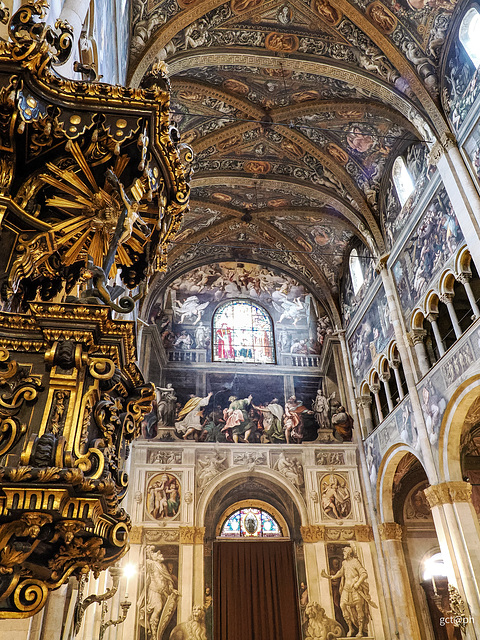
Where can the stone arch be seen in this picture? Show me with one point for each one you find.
(463, 260)
(383, 366)
(451, 429)
(219, 493)
(417, 319)
(385, 479)
(431, 302)
(447, 282)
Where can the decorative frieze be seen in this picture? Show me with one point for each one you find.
(191, 535)
(164, 457)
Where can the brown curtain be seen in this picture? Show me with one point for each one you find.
(255, 591)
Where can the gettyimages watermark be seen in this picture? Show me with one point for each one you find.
(457, 621)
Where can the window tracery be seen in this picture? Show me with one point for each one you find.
(242, 332)
(250, 523)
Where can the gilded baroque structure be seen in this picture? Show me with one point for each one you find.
(239, 286)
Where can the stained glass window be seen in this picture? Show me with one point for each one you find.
(242, 332)
(250, 523)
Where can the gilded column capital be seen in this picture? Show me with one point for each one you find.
(390, 531)
(313, 533)
(192, 535)
(363, 533)
(448, 493)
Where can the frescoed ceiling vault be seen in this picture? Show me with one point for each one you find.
(295, 111)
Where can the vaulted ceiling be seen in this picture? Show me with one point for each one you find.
(294, 110)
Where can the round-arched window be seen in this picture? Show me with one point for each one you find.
(402, 180)
(242, 332)
(468, 35)
(250, 522)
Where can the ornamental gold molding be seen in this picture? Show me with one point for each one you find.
(321, 533)
(448, 493)
(313, 533)
(363, 533)
(92, 186)
(191, 535)
(390, 531)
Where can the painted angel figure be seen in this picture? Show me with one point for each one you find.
(287, 309)
(190, 308)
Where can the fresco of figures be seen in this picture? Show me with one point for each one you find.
(434, 240)
(472, 147)
(371, 336)
(462, 84)
(184, 317)
(163, 496)
(394, 215)
(348, 584)
(336, 500)
(158, 600)
(242, 408)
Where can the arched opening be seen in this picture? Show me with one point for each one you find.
(252, 520)
(412, 549)
(402, 180)
(254, 549)
(468, 35)
(356, 271)
(242, 332)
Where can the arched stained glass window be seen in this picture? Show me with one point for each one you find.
(402, 180)
(469, 35)
(242, 332)
(250, 523)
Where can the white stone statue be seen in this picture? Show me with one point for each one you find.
(158, 600)
(355, 598)
(194, 629)
(318, 626)
(290, 469)
(321, 409)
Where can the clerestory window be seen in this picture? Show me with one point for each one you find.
(402, 180)
(242, 332)
(356, 271)
(469, 35)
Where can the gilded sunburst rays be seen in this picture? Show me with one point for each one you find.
(92, 214)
